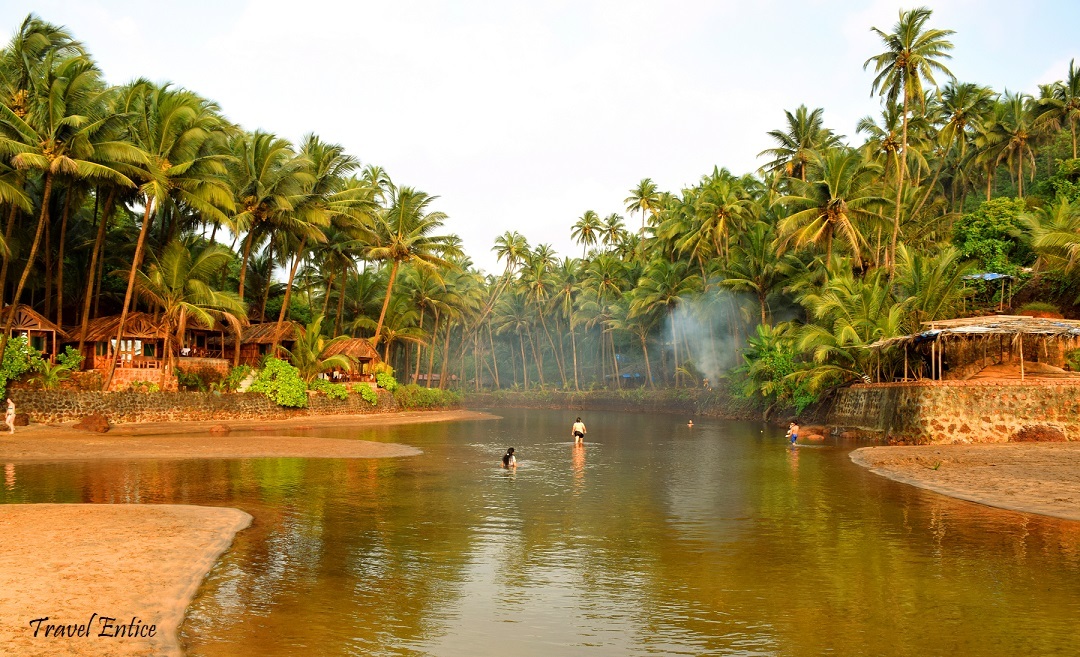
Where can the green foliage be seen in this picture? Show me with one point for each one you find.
(1065, 182)
(1073, 359)
(413, 396)
(991, 236)
(771, 365)
(281, 382)
(149, 387)
(331, 390)
(72, 358)
(1040, 307)
(49, 376)
(386, 381)
(299, 310)
(367, 393)
(19, 358)
(200, 379)
(235, 376)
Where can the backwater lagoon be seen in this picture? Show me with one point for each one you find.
(654, 538)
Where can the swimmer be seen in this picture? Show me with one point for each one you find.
(793, 431)
(690, 424)
(578, 431)
(508, 459)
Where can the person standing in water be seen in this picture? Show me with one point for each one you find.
(793, 431)
(9, 418)
(578, 431)
(509, 460)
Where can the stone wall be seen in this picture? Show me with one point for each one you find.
(960, 411)
(118, 407)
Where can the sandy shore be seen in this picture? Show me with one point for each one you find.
(1041, 478)
(181, 440)
(70, 562)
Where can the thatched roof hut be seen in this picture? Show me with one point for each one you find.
(268, 333)
(358, 349)
(38, 329)
(139, 326)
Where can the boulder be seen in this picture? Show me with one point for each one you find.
(1039, 433)
(22, 419)
(220, 430)
(814, 437)
(94, 422)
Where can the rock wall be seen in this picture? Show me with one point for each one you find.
(960, 411)
(67, 406)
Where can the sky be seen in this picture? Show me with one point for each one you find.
(523, 115)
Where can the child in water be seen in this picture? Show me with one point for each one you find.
(793, 431)
(509, 460)
(578, 431)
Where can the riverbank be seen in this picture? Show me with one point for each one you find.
(185, 440)
(1042, 478)
(716, 402)
(73, 564)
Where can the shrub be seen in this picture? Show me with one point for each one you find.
(281, 382)
(386, 381)
(236, 375)
(50, 376)
(200, 378)
(414, 396)
(331, 390)
(367, 393)
(990, 235)
(144, 386)
(72, 358)
(19, 358)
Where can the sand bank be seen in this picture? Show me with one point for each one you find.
(183, 440)
(1041, 478)
(77, 562)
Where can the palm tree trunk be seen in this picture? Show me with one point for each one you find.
(446, 357)
(1020, 175)
(675, 343)
(494, 360)
(386, 303)
(244, 262)
(573, 345)
(554, 353)
(431, 349)
(536, 357)
(341, 300)
(614, 360)
(899, 191)
(99, 242)
(7, 240)
(148, 218)
(524, 366)
(645, 351)
(29, 264)
(416, 370)
(60, 261)
(288, 294)
(47, 252)
(326, 297)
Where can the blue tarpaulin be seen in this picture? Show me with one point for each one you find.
(989, 276)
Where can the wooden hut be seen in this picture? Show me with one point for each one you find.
(992, 347)
(362, 353)
(256, 340)
(141, 345)
(41, 334)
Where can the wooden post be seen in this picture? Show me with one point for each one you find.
(1021, 336)
(905, 363)
(933, 358)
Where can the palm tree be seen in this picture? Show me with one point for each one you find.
(177, 284)
(805, 133)
(913, 53)
(1054, 232)
(403, 233)
(754, 266)
(182, 137)
(663, 287)
(644, 199)
(840, 196)
(586, 230)
(308, 354)
(57, 137)
(1062, 106)
(612, 230)
(1014, 133)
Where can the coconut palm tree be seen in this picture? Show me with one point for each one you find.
(403, 234)
(1062, 106)
(913, 53)
(805, 133)
(1054, 232)
(612, 230)
(644, 199)
(1013, 134)
(754, 266)
(309, 352)
(586, 230)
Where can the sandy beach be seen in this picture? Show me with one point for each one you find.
(138, 564)
(1041, 478)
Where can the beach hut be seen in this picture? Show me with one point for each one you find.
(141, 345)
(991, 347)
(256, 340)
(41, 334)
(363, 355)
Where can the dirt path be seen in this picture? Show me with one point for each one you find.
(1041, 478)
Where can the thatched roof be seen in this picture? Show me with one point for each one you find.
(267, 333)
(1013, 326)
(28, 319)
(139, 326)
(357, 348)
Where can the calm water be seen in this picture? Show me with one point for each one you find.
(653, 539)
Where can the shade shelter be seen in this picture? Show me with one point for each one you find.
(363, 355)
(141, 345)
(996, 346)
(256, 340)
(40, 333)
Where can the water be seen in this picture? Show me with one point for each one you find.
(653, 539)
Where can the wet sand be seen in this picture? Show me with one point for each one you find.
(184, 440)
(1042, 478)
(69, 562)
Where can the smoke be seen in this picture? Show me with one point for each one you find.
(711, 331)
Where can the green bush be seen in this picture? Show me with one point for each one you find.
(144, 386)
(991, 235)
(414, 396)
(331, 390)
(72, 359)
(50, 376)
(235, 376)
(281, 382)
(367, 393)
(19, 358)
(386, 381)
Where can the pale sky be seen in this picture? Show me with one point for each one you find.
(523, 115)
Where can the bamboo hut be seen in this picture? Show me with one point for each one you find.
(141, 346)
(993, 347)
(362, 354)
(256, 340)
(40, 333)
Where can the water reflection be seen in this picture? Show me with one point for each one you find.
(650, 539)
